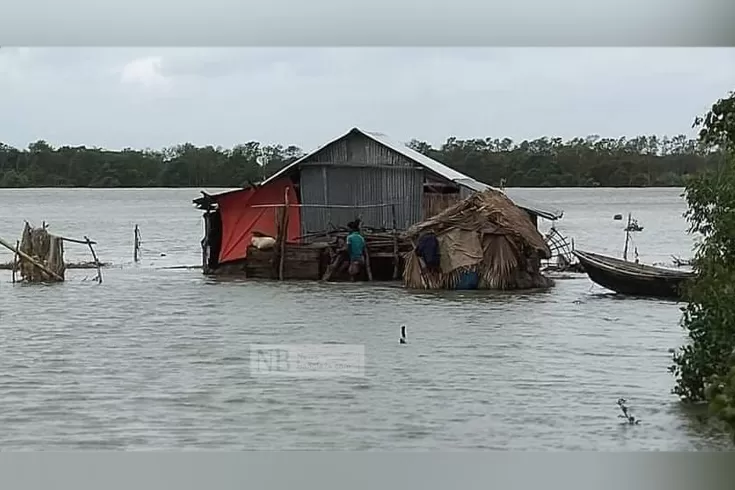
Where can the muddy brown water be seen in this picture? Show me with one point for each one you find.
(158, 358)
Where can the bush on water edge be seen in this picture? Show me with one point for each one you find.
(705, 367)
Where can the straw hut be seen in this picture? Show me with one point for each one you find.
(482, 242)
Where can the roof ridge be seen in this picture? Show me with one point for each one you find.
(427, 162)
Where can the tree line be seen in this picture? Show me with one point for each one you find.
(544, 162)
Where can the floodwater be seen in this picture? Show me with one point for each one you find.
(157, 358)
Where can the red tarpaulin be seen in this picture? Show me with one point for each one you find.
(240, 219)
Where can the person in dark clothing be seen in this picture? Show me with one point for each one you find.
(428, 250)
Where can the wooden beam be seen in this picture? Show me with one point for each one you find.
(96, 261)
(326, 206)
(82, 242)
(395, 243)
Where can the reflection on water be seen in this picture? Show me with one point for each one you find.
(159, 358)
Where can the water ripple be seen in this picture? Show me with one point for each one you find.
(159, 359)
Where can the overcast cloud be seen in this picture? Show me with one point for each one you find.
(151, 98)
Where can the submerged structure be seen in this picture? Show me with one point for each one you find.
(39, 256)
(483, 242)
(48, 252)
(290, 225)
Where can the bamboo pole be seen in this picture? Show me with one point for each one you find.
(280, 218)
(277, 219)
(8, 266)
(136, 243)
(96, 261)
(325, 206)
(74, 240)
(284, 236)
(30, 259)
(367, 263)
(206, 248)
(627, 237)
(15, 259)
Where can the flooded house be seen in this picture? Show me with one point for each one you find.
(291, 225)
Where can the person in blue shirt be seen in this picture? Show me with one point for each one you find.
(355, 249)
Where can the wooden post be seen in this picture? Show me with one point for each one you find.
(275, 259)
(136, 243)
(284, 235)
(30, 259)
(15, 258)
(333, 266)
(96, 261)
(395, 243)
(205, 243)
(367, 264)
(627, 237)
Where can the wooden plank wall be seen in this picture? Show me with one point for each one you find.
(301, 262)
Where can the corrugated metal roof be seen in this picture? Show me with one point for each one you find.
(420, 158)
(434, 166)
(296, 163)
(534, 207)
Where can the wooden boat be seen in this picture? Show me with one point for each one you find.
(633, 279)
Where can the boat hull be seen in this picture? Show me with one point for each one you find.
(633, 279)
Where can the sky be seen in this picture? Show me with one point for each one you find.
(157, 97)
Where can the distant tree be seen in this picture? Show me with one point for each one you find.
(420, 146)
(590, 161)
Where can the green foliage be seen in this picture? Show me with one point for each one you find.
(705, 367)
(721, 394)
(182, 166)
(584, 162)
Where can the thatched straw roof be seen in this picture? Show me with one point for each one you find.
(488, 212)
(484, 234)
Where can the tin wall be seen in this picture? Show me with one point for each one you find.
(357, 171)
(346, 185)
